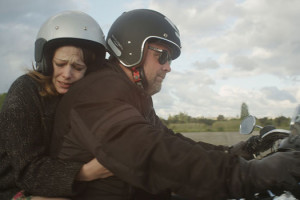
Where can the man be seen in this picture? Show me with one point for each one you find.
(109, 115)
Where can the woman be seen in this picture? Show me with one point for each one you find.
(69, 45)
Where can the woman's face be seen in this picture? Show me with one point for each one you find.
(68, 67)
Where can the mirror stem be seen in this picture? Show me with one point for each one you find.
(258, 126)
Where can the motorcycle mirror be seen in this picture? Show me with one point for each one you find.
(247, 125)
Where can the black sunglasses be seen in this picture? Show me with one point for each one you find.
(164, 55)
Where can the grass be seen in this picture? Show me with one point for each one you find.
(218, 126)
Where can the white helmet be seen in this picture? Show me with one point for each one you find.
(67, 28)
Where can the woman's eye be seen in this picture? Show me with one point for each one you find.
(79, 68)
(59, 64)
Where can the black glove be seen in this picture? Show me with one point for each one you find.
(247, 149)
(279, 171)
(255, 144)
(241, 149)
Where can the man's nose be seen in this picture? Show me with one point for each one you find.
(167, 67)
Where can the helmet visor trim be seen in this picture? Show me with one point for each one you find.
(113, 47)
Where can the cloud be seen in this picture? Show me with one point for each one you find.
(274, 93)
(203, 100)
(207, 64)
(247, 49)
(255, 32)
(265, 36)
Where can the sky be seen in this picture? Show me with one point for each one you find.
(233, 51)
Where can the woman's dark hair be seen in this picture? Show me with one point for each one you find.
(92, 58)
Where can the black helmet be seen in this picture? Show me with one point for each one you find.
(129, 33)
(68, 27)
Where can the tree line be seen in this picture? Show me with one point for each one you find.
(2, 97)
(183, 118)
(221, 123)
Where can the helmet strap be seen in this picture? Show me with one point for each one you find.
(138, 71)
(137, 76)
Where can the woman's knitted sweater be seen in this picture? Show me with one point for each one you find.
(26, 121)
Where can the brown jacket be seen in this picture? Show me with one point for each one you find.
(107, 116)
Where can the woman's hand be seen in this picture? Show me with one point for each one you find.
(93, 170)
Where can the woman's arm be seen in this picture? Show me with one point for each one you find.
(93, 170)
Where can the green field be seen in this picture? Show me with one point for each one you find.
(219, 138)
(220, 126)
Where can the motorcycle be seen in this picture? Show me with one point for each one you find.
(271, 140)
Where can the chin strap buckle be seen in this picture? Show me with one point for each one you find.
(137, 77)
